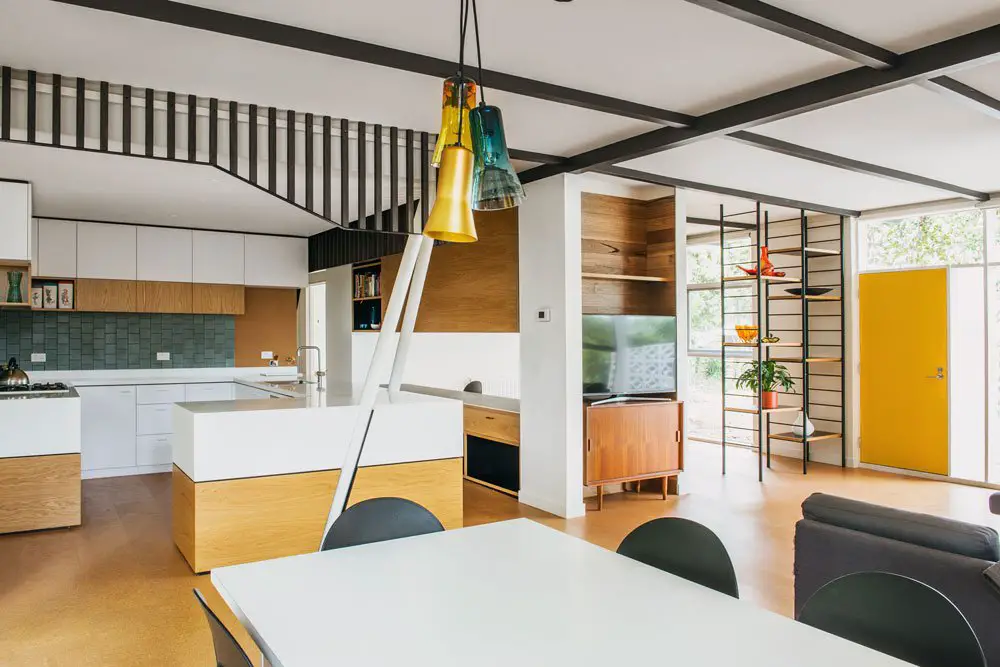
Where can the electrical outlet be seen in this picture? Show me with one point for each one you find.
(543, 315)
(267, 355)
(38, 357)
(163, 356)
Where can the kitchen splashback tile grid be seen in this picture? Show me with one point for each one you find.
(113, 341)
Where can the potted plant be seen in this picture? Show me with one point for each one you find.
(772, 375)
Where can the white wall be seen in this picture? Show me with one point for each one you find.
(680, 271)
(966, 375)
(549, 246)
(450, 360)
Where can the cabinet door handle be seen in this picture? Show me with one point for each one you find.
(588, 444)
(125, 391)
(490, 418)
(162, 409)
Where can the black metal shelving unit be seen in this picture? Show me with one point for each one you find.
(809, 247)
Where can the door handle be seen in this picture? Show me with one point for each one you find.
(939, 376)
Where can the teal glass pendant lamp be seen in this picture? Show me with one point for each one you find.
(495, 184)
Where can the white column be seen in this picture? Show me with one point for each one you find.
(549, 245)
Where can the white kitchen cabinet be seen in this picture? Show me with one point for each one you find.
(108, 427)
(218, 258)
(15, 221)
(208, 391)
(276, 261)
(56, 248)
(153, 450)
(106, 251)
(164, 254)
(154, 419)
(149, 394)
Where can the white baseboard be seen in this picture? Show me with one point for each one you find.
(125, 472)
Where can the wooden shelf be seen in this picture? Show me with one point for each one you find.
(771, 411)
(368, 265)
(767, 279)
(365, 330)
(792, 297)
(815, 437)
(366, 298)
(809, 360)
(618, 276)
(778, 344)
(812, 252)
(15, 304)
(54, 310)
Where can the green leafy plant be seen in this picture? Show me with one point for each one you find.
(772, 374)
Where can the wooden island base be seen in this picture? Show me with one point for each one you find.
(245, 520)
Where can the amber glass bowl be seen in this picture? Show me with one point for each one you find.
(746, 332)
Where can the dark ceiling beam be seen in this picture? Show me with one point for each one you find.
(855, 166)
(938, 59)
(531, 156)
(803, 30)
(715, 223)
(236, 25)
(822, 37)
(964, 94)
(657, 179)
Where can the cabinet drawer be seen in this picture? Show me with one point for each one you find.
(209, 391)
(153, 450)
(154, 419)
(160, 393)
(493, 424)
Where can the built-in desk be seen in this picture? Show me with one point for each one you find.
(492, 437)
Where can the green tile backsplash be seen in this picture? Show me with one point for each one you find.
(101, 341)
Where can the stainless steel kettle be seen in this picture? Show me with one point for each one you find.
(13, 376)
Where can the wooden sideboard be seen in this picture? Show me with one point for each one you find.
(492, 454)
(631, 442)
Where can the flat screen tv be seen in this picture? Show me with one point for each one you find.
(629, 354)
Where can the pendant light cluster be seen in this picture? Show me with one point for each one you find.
(471, 152)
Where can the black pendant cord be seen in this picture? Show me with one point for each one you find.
(463, 7)
(479, 53)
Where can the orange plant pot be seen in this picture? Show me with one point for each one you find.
(768, 400)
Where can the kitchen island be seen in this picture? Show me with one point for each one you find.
(39, 461)
(254, 479)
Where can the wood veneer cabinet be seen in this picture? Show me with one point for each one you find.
(159, 297)
(633, 441)
(105, 296)
(219, 299)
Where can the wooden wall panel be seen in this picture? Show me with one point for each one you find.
(219, 299)
(471, 287)
(244, 520)
(613, 235)
(106, 296)
(161, 297)
(39, 492)
(269, 323)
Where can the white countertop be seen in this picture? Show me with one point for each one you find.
(508, 593)
(502, 403)
(162, 376)
(306, 396)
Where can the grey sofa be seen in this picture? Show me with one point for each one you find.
(838, 536)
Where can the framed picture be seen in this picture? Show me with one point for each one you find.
(36, 297)
(66, 295)
(50, 296)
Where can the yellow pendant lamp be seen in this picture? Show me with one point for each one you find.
(451, 217)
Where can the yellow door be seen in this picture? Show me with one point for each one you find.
(904, 341)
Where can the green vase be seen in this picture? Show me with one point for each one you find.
(14, 286)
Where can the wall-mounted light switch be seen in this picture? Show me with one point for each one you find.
(267, 355)
(37, 357)
(163, 356)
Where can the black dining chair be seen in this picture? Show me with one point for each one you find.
(684, 548)
(227, 651)
(895, 615)
(380, 519)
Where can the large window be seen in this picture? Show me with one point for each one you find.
(945, 239)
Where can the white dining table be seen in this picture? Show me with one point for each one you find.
(509, 594)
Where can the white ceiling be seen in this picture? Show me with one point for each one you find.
(667, 53)
(98, 186)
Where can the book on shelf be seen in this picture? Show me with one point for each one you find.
(367, 285)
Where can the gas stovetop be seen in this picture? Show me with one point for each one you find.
(36, 389)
